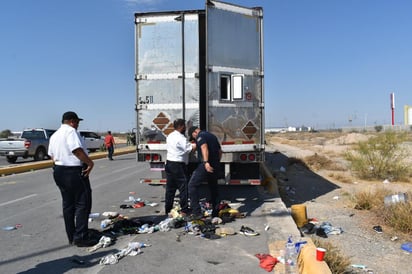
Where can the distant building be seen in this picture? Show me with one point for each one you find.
(407, 114)
(286, 129)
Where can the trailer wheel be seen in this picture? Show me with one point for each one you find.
(11, 159)
(40, 154)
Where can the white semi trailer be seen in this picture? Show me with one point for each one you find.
(205, 66)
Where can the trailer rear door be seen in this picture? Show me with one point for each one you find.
(235, 73)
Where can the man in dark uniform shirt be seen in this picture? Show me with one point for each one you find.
(209, 153)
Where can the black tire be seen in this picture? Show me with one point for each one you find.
(40, 154)
(11, 159)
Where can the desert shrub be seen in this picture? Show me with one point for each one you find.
(341, 177)
(338, 264)
(369, 199)
(5, 133)
(317, 161)
(296, 161)
(380, 157)
(378, 128)
(399, 216)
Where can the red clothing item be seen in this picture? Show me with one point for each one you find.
(109, 140)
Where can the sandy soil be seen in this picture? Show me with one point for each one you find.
(327, 195)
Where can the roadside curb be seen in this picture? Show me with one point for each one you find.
(306, 262)
(8, 170)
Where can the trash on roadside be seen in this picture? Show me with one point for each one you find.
(94, 215)
(359, 266)
(267, 262)
(133, 249)
(396, 198)
(407, 247)
(110, 214)
(8, 228)
(331, 230)
(103, 242)
(105, 223)
(138, 205)
(378, 229)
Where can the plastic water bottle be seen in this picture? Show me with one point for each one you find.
(105, 223)
(290, 256)
(94, 215)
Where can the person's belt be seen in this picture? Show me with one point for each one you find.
(68, 167)
(175, 162)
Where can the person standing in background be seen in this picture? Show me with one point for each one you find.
(71, 170)
(109, 143)
(178, 149)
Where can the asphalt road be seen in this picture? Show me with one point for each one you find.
(39, 244)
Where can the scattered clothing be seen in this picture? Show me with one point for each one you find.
(267, 262)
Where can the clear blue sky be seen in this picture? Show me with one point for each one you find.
(326, 61)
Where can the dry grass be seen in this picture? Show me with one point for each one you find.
(397, 216)
(370, 199)
(341, 177)
(338, 264)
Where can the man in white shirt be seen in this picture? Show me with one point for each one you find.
(178, 149)
(71, 170)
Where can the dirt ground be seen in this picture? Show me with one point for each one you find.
(328, 194)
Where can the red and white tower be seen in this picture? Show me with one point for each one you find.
(393, 107)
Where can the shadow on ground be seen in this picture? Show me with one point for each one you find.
(296, 182)
(63, 265)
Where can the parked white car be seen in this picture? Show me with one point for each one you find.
(92, 140)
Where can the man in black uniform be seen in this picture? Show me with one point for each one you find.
(209, 153)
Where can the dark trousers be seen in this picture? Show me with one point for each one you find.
(201, 175)
(76, 200)
(110, 151)
(176, 177)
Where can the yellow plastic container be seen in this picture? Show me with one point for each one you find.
(299, 214)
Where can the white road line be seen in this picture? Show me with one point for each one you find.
(19, 199)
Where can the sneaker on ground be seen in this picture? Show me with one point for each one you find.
(247, 231)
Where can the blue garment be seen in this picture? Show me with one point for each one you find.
(213, 145)
(201, 175)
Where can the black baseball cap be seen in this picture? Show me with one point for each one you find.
(70, 115)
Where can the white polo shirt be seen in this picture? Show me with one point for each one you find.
(65, 140)
(178, 147)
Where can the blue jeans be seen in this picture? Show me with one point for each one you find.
(201, 175)
(177, 177)
(77, 200)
